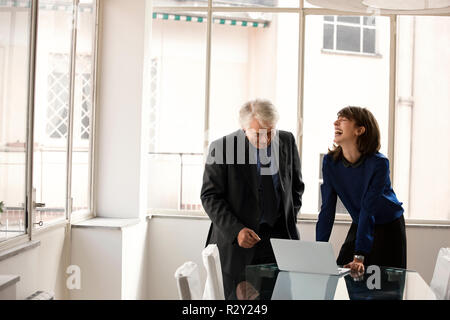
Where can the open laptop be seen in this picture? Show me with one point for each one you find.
(306, 256)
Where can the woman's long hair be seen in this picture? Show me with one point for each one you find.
(367, 143)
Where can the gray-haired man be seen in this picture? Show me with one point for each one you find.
(252, 190)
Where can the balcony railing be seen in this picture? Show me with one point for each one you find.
(181, 168)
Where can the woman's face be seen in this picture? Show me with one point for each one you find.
(346, 131)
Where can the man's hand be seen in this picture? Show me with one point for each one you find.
(247, 238)
(245, 291)
(355, 266)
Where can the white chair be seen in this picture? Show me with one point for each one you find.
(188, 281)
(214, 281)
(440, 284)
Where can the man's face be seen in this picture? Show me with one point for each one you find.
(259, 136)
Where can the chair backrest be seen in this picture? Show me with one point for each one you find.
(214, 281)
(188, 281)
(440, 282)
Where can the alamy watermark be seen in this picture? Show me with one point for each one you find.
(73, 281)
(233, 149)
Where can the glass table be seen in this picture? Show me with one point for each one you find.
(267, 282)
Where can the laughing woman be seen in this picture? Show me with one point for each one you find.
(355, 171)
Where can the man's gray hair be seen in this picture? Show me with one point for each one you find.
(262, 110)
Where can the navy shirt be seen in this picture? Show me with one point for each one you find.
(366, 192)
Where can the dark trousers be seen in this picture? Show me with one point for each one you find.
(263, 249)
(388, 249)
(263, 254)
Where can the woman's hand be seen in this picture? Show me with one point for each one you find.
(355, 266)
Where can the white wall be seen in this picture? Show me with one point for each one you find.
(135, 264)
(121, 143)
(98, 254)
(43, 267)
(173, 241)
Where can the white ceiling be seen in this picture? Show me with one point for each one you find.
(386, 6)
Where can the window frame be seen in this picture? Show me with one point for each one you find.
(303, 13)
(361, 26)
(71, 217)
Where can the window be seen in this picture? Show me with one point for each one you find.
(349, 34)
(14, 76)
(346, 80)
(83, 108)
(244, 65)
(52, 103)
(422, 148)
(62, 107)
(256, 54)
(57, 101)
(177, 109)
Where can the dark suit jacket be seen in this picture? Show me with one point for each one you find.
(230, 195)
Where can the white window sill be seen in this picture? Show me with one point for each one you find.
(302, 218)
(8, 280)
(351, 53)
(14, 250)
(107, 223)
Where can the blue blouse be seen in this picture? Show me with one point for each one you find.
(366, 192)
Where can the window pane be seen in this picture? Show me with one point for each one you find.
(349, 19)
(165, 181)
(328, 36)
(177, 88)
(422, 145)
(245, 64)
(328, 18)
(369, 41)
(331, 83)
(14, 48)
(52, 101)
(348, 38)
(192, 182)
(369, 21)
(83, 103)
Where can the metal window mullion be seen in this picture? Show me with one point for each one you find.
(392, 92)
(92, 133)
(70, 135)
(335, 32)
(208, 77)
(301, 77)
(361, 35)
(30, 116)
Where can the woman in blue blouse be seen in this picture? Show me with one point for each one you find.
(355, 171)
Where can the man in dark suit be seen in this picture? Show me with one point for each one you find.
(252, 190)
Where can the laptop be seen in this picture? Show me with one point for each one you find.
(306, 256)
